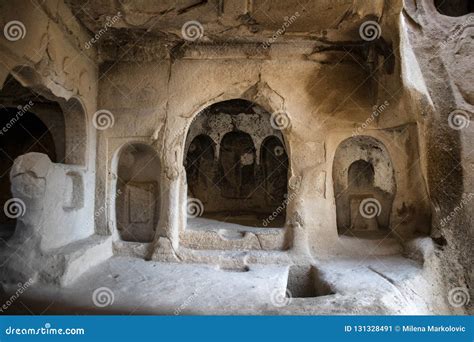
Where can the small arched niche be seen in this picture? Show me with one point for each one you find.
(454, 8)
(364, 187)
(138, 193)
(274, 161)
(237, 168)
(237, 165)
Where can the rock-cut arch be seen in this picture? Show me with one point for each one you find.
(137, 197)
(229, 151)
(364, 186)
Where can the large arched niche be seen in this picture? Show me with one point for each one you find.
(364, 187)
(136, 192)
(228, 182)
(32, 119)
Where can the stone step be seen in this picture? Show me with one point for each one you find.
(78, 257)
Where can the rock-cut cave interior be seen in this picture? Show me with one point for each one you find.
(237, 157)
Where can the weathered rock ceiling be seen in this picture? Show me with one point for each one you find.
(230, 20)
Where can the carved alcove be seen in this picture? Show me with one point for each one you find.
(29, 123)
(138, 193)
(236, 165)
(274, 161)
(364, 187)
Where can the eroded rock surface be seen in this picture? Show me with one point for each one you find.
(288, 157)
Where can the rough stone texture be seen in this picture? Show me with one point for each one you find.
(384, 117)
(390, 285)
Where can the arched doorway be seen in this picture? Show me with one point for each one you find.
(237, 168)
(21, 132)
(29, 122)
(138, 193)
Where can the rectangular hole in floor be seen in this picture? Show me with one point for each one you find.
(305, 282)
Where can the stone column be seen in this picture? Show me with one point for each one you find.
(170, 207)
(166, 241)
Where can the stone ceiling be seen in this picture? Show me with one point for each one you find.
(228, 20)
